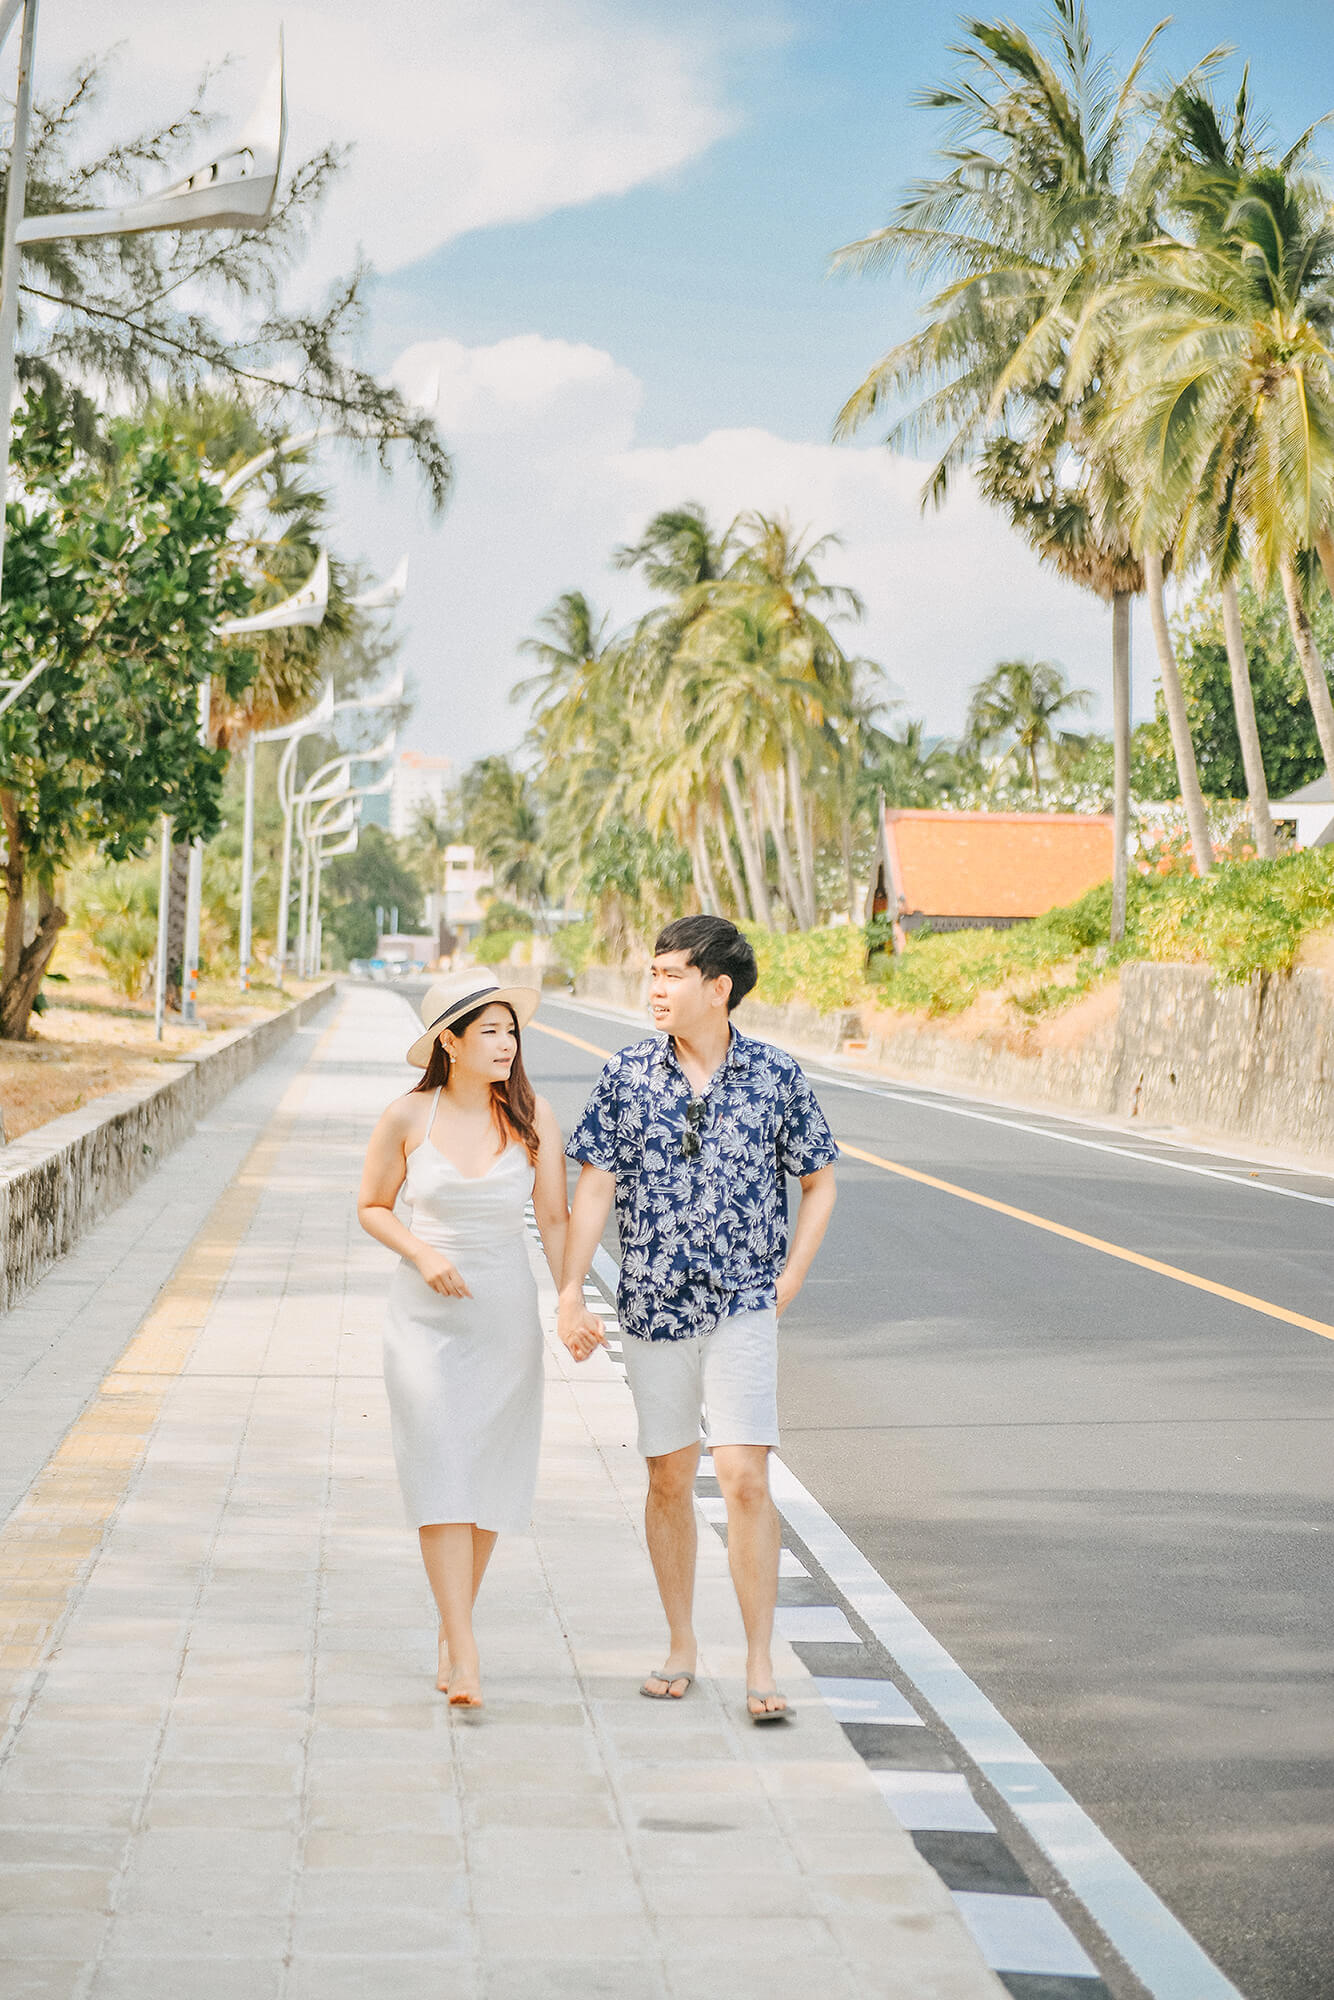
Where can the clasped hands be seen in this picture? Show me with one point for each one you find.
(579, 1326)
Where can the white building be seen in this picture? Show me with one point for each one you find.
(458, 906)
(419, 781)
(1308, 814)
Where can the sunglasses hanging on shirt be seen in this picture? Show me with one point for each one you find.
(697, 1112)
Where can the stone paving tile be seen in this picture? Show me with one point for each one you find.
(424, 1976)
(236, 1748)
(228, 1979)
(45, 1979)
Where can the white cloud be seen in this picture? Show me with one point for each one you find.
(463, 114)
(550, 480)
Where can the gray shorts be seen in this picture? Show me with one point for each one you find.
(728, 1379)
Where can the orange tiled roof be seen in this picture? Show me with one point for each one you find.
(977, 864)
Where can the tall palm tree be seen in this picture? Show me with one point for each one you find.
(1047, 187)
(1018, 706)
(502, 818)
(778, 566)
(1227, 385)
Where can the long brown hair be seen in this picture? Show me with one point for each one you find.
(513, 1104)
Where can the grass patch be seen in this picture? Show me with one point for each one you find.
(1247, 917)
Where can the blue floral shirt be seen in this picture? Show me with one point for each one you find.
(704, 1235)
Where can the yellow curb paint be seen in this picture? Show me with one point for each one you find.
(49, 1540)
(1117, 1250)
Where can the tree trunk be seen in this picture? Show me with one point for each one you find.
(14, 888)
(1243, 707)
(178, 890)
(703, 866)
(16, 1003)
(805, 845)
(787, 874)
(1121, 603)
(1174, 700)
(1313, 672)
(855, 916)
(729, 862)
(752, 858)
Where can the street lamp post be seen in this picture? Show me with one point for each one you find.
(385, 697)
(331, 822)
(348, 845)
(235, 190)
(327, 796)
(330, 781)
(305, 606)
(323, 826)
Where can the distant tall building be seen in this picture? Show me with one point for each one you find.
(418, 780)
(456, 906)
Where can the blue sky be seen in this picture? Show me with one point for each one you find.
(603, 229)
(713, 284)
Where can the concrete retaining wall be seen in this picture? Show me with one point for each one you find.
(59, 1180)
(1251, 1063)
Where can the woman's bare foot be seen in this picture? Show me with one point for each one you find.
(465, 1689)
(465, 1683)
(442, 1666)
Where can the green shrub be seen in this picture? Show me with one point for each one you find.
(574, 943)
(116, 907)
(825, 969)
(503, 916)
(496, 948)
(1246, 917)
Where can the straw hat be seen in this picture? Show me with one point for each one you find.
(460, 993)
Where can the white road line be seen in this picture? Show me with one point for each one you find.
(889, 1095)
(892, 1094)
(1136, 1922)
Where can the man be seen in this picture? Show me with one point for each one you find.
(692, 1132)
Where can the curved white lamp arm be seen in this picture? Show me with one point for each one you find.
(380, 596)
(234, 190)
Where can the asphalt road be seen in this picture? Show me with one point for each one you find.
(1108, 1493)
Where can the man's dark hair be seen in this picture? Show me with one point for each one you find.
(716, 946)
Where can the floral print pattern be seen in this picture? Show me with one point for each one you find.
(703, 1232)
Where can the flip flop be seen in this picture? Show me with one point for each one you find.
(766, 1715)
(661, 1674)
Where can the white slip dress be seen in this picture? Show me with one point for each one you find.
(464, 1376)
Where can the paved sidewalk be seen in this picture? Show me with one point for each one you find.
(227, 1772)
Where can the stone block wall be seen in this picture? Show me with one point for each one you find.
(56, 1182)
(1240, 1064)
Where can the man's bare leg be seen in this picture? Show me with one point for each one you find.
(669, 1521)
(754, 1537)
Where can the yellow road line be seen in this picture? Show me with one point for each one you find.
(576, 1040)
(1161, 1270)
(57, 1529)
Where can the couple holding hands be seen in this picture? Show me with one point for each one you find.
(691, 1134)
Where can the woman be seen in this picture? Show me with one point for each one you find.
(470, 1145)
